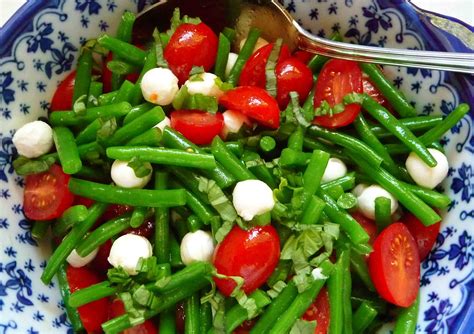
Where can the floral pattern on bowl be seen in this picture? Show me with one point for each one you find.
(41, 47)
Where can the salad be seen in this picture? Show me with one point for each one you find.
(193, 185)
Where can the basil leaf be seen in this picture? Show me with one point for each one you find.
(25, 166)
(139, 167)
(160, 58)
(303, 327)
(270, 75)
(79, 106)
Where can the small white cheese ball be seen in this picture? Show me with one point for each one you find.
(127, 250)
(366, 200)
(33, 139)
(124, 176)
(260, 42)
(159, 86)
(78, 261)
(233, 121)
(334, 170)
(425, 175)
(231, 59)
(164, 123)
(196, 246)
(205, 84)
(252, 198)
(358, 189)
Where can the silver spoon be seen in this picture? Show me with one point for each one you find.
(275, 22)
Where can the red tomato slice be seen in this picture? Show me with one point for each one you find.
(47, 194)
(92, 314)
(425, 236)
(337, 79)
(255, 103)
(394, 265)
(303, 56)
(292, 75)
(368, 225)
(251, 254)
(148, 327)
(253, 73)
(113, 211)
(319, 311)
(197, 126)
(79, 200)
(245, 327)
(62, 98)
(369, 88)
(145, 230)
(191, 45)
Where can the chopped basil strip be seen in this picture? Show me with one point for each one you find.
(139, 168)
(271, 83)
(160, 58)
(79, 106)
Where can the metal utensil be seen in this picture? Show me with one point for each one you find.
(275, 22)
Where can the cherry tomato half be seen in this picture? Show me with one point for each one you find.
(292, 75)
(425, 236)
(191, 45)
(92, 314)
(319, 311)
(47, 194)
(303, 56)
(255, 103)
(198, 126)
(62, 98)
(394, 265)
(368, 225)
(100, 263)
(148, 327)
(337, 79)
(251, 254)
(253, 73)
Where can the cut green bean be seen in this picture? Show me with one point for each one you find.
(72, 313)
(230, 161)
(388, 90)
(345, 255)
(150, 137)
(407, 318)
(93, 174)
(73, 215)
(89, 133)
(359, 266)
(70, 118)
(291, 158)
(137, 111)
(125, 92)
(259, 170)
(162, 228)
(138, 216)
(336, 297)
(119, 68)
(134, 197)
(223, 50)
(164, 156)
(40, 229)
(175, 254)
(430, 197)
(418, 123)
(191, 314)
(124, 50)
(244, 55)
(83, 74)
(70, 242)
(84, 151)
(383, 216)
(124, 33)
(363, 317)
(282, 269)
(95, 90)
(193, 223)
(347, 182)
(67, 150)
(107, 98)
(205, 316)
(313, 173)
(237, 314)
(312, 211)
(295, 141)
(190, 180)
(150, 63)
(91, 293)
(268, 144)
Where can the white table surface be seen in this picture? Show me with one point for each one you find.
(461, 9)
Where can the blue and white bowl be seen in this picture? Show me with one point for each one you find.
(39, 46)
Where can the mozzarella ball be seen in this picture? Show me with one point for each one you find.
(260, 42)
(196, 246)
(425, 175)
(159, 86)
(252, 198)
(124, 176)
(231, 59)
(358, 189)
(366, 200)
(78, 261)
(164, 123)
(205, 84)
(233, 121)
(127, 250)
(33, 139)
(334, 170)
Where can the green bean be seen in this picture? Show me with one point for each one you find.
(150, 137)
(347, 142)
(313, 210)
(313, 173)
(336, 297)
(347, 182)
(119, 68)
(388, 90)
(230, 161)
(229, 33)
(407, 318)
(193, 223)
(345, 255)
(83, 74)
(73, 215)
(245, 53)
(67, 150)
(175, 254)
(107, 98)
(162, 227)
(89, 133)
(137, 111)
(301, 302)
(134, 197)
(295, 141)
(348, 224)
(84, 151)
(205, 316)
(363, 317)
(178, 223)
(70, 118)
(259, 170)
(190, 180)
(236, 147)
(223, 50)
(291, 158)
(277, 307)
(72, 313)
(91, 293)
(417, 123)
(200, 208)
(173, 139)
(93, 174)
(95, 90)
(191, 314)
(237, 314)
(125, 92)
(335, 191)
(138, 216)
(70, 241)
(150, 63)
(383, 215)
(164, 156)
(136, 127)
(404, 195)
(268, 144)
(281, 271)
(317, 62)
(359, 266)
(103, 233)
(124, 33)
(430, 197)
(168, 322)
(398, 129)
(40, 229)
(124, 50)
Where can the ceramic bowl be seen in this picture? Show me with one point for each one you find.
(40, 46)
